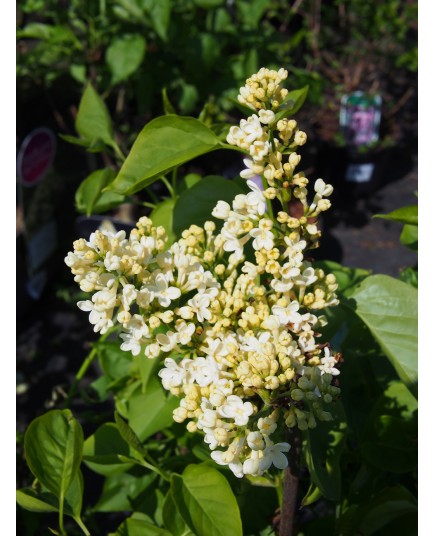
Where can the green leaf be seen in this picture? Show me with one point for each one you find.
(377, 512)
(94, 147)
(389, 440)
(292, 103)
(89, 197)
(172, 518)
(124, 56)
(163, 215)
(78, 72)
(397, 400)
(195, 205)
(45, 501)
(409, 276)
(130, 10)
(252, 11)
(389, 308)
(209, 50)
(114, 362)
(146, 368)
(257, 505)
(93, 122)
(206, 502)
(325, 444)
(209, 4)
(164, 143)
(74, 496)
(167, 105)
(391, 444)
(345, 277)
(313, 494)
(35, 30)
(53, 446)
(242, 107)
(159, 12)
(188, 97)
(407, 214)
(409, 236)
(121, 490)
(151, 411)
(102, 449)
(128, 434)
(140, 525)
(191, 179)
(31, 500)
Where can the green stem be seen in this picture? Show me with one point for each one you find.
(174, 179)
(82, 525)
(149, 205)
(269, 205)
(168, 186)
(61, 527)
(232, 147)
(102, 8)
(118, 151)
(152, 195)
(84, 367)
(154, 467)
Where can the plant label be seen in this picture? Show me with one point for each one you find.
(36, 156)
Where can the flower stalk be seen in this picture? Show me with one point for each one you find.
(287, 525)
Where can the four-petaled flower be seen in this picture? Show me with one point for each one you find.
(235, 408)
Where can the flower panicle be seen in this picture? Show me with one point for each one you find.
(234, 314)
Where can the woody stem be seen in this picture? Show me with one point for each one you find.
(290, 485)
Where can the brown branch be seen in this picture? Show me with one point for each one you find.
(407, 95)
(295, 7)
(290, 485)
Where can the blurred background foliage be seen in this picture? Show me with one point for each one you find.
(201, 51)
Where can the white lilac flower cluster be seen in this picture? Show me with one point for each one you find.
(238, 338)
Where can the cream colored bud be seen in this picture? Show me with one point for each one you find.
(220, 269)
(300, 137)
(290, 373)
(308, 299)
(270, 193)
(293, 223)
(330, 279)
(300, 193)
(209, 226)
(221, 435)
(294, 159)
(154, 322)
(166, 316)
(282, 217)
(256, 380)
(208, 256)
(180, 414)
(191, 427)
(290, 419)
(272, 382)
(324, 204)
(312, 229)
(123, 317)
